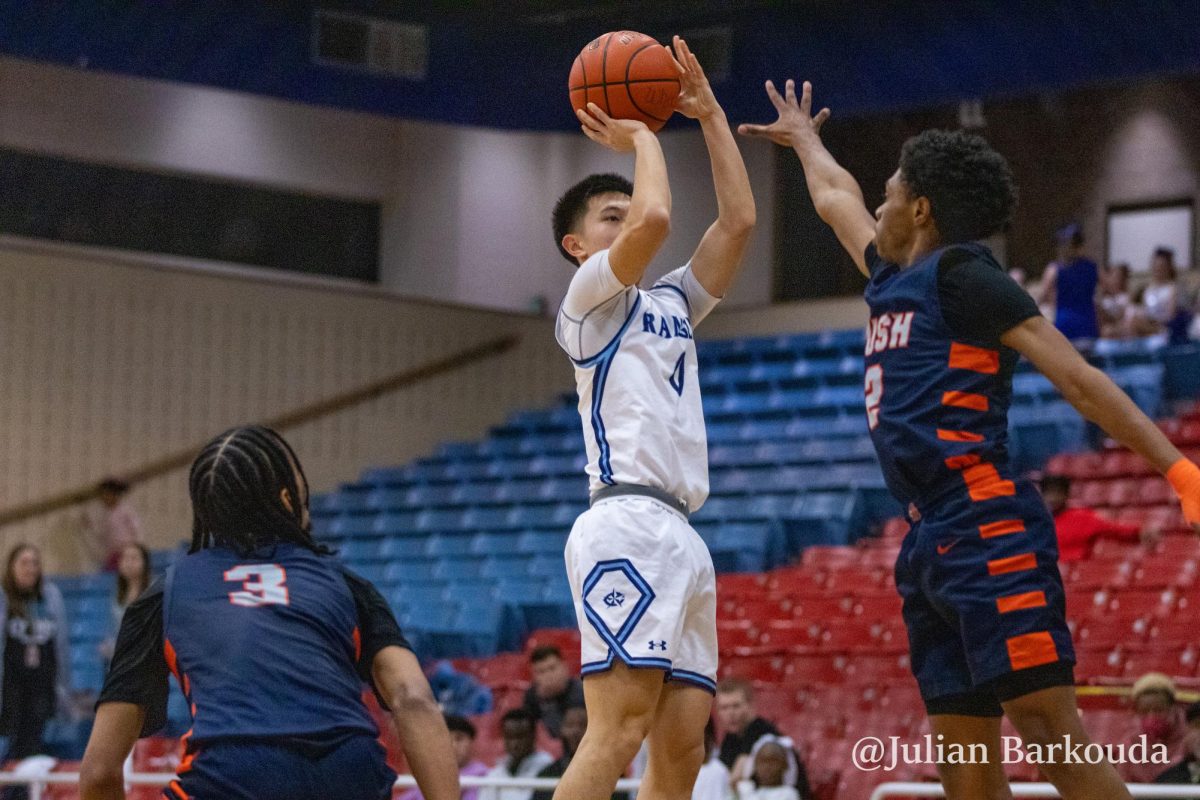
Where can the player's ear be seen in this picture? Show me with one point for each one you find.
(572, 244)
(285, 497)
(922, 211)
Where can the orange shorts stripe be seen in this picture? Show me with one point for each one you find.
(1021, 602)
(962, 462)
(958, 436)
(1031, 650)
(976, 359)
(178, 789)
(984, 483)
(1001, 528)
(975, 402)
(1003, 566)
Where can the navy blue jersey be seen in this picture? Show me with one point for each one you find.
(937, 403)
(264, 647)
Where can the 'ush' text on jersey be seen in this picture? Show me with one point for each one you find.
(937, 404)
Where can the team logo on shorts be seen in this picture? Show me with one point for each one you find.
(615, 598)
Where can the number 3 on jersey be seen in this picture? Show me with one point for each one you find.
(874, 394)
(262, 585)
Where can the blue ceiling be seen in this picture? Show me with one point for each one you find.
(506, 64)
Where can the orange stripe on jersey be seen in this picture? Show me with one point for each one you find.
(1001, 528)
(976, 359)
(1031, 650)
(1021, 602)
(169, 655)
(178, 790)
(984, 483)
(962, 462)
(975, 402)
(958, 436)
(357, 644)
(1003, 566)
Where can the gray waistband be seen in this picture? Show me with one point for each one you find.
(624, 489)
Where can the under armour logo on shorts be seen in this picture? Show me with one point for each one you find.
(660, 645)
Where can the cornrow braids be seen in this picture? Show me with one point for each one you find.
(235, 485)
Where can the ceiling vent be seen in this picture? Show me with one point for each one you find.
(384, 47)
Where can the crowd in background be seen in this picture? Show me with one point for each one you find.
(1093, 305)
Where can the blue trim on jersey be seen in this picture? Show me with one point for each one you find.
(696, 678)
(614, 342)
(678, 291)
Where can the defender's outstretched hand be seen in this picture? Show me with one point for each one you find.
(696, 98)
(1185, 479)
(615, 134)
(795, 122)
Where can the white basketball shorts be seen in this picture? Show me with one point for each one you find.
(645, 591)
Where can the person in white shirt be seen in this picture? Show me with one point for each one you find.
(713, 782)
(521, 759)
(641, 577)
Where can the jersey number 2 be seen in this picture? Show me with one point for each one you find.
(262, 585)
(874, 394)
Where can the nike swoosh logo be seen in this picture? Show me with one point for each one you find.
(942, 549)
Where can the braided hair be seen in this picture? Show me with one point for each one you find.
(235, 485)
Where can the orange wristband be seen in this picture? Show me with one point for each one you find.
(1184, 477)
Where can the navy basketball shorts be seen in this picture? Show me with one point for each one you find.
(354, 769)
(984, 602)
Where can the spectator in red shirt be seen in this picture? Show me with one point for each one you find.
(1078, 528)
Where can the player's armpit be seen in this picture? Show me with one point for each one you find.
(113, 735)
(1090, 391)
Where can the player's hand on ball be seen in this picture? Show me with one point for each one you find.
(795, 118)
(615, 134)
(696, 98)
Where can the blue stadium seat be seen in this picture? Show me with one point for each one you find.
(411, 575)
(546, 566)
(449, 545)
(1181, 365)
(494, 518)
(521, 489)
(458, 570)
(542, 542)
(395, 523)
(352, 525)
(500, 567)
(396, 547)
(489, 543)
(361, 549)
(387, 476)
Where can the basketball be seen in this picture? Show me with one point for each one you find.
(629, 75)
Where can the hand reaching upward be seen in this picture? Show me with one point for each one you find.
(795, 124)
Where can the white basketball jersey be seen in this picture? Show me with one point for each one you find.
(635, 371)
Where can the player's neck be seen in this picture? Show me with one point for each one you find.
(923, 243)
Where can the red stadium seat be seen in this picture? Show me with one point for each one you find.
(1179, 548)
(765, 668)
(790, 637)
(877, 608)
(878, 670)
(1091, 665)
(504, 668)
(1083, 603)
(1133, 604)
(1188, 434)
(849, 636)
(1153, 491)
(1094, 574)
(1108, 726)
(1110, 549)
(1170, 662)
(736, 637)
(1163, 572)
(1123, 492)
(806, 670)
(822, 610)
(1109, 633)
(1090, 493)
(756, 609)
(740, 584)
(895, 529)
(1174, 632)
(565, 639)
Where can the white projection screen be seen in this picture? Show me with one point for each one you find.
(1134, 233)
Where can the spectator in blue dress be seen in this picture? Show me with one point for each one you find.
(1070, 283)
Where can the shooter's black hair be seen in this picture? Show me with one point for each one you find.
(571, 207)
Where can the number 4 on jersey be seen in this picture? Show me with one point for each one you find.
(874, 394)
(262, 585)
(676, 379)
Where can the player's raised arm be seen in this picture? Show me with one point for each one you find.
(649, 219)
(398, 678)
(720, 252)
(1097, 398)
(836, 195)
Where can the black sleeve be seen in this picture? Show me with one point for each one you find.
(377, 626)
(139, 673)
(979, 300)
(872, 260)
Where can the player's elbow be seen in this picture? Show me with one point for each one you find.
(654, 222)
(99, 780)
(739, 223)
(410, 699)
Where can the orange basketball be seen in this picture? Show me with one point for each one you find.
(629, 75)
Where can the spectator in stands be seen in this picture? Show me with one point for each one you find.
(110, 523)
(714, 780)
(1160, 720)
(1157, 312)
(573, 725)
(774, 773)
(35, 661)
(462, 737)
(1187, 770)
(743, 728)
(457, 692)
(554, 690)
(1070, 282)
(1078, 528)
(1113, 304)
(521, 759)
(133, 576)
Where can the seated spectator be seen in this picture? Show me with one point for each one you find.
(462, 737)
(554, 690)
(1070, 283)
(713, 782)
(1186, 771)
(1113, 304)
(1078, 528)
(744, 728)
(774, 773)
(573, 726)
(109, 524)
(133, 576)
(1160, 720)
(458, 693)
(521, 759)
(1157, 311)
